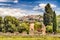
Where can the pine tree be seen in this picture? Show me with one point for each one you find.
(54, 23)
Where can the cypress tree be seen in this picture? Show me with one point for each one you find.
(54, 23)
(47, 17)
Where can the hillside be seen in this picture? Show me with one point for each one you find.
(31, 18)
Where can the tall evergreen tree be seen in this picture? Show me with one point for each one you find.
(54, 23)
(47, 17)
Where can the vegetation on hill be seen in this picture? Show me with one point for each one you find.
(12, 24)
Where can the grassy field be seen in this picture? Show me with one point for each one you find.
(29, 38)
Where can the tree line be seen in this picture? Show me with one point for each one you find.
(12, 24)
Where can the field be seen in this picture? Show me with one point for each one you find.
(29, 38)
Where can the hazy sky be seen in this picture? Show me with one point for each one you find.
(31, 6)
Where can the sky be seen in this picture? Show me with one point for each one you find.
(31, 7)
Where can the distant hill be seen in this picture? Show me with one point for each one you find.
(31, 18)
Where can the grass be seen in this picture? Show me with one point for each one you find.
(29, 38)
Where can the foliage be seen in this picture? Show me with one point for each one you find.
(12, 24)
(49, 29)
(47, 17)
(1, 22)
(54, 23)
(37, 25)
(23, 27)
(58, 30)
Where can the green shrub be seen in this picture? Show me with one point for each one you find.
(37, 25)
(3, 30)
(23, 27)
(27, 31)
(49, 29)
(58, 30)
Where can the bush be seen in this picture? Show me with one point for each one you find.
(12, 24)
(58, 30)
(23, 27)
(27, 31)
(37, 25)
(3, 30)
(49, 29)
